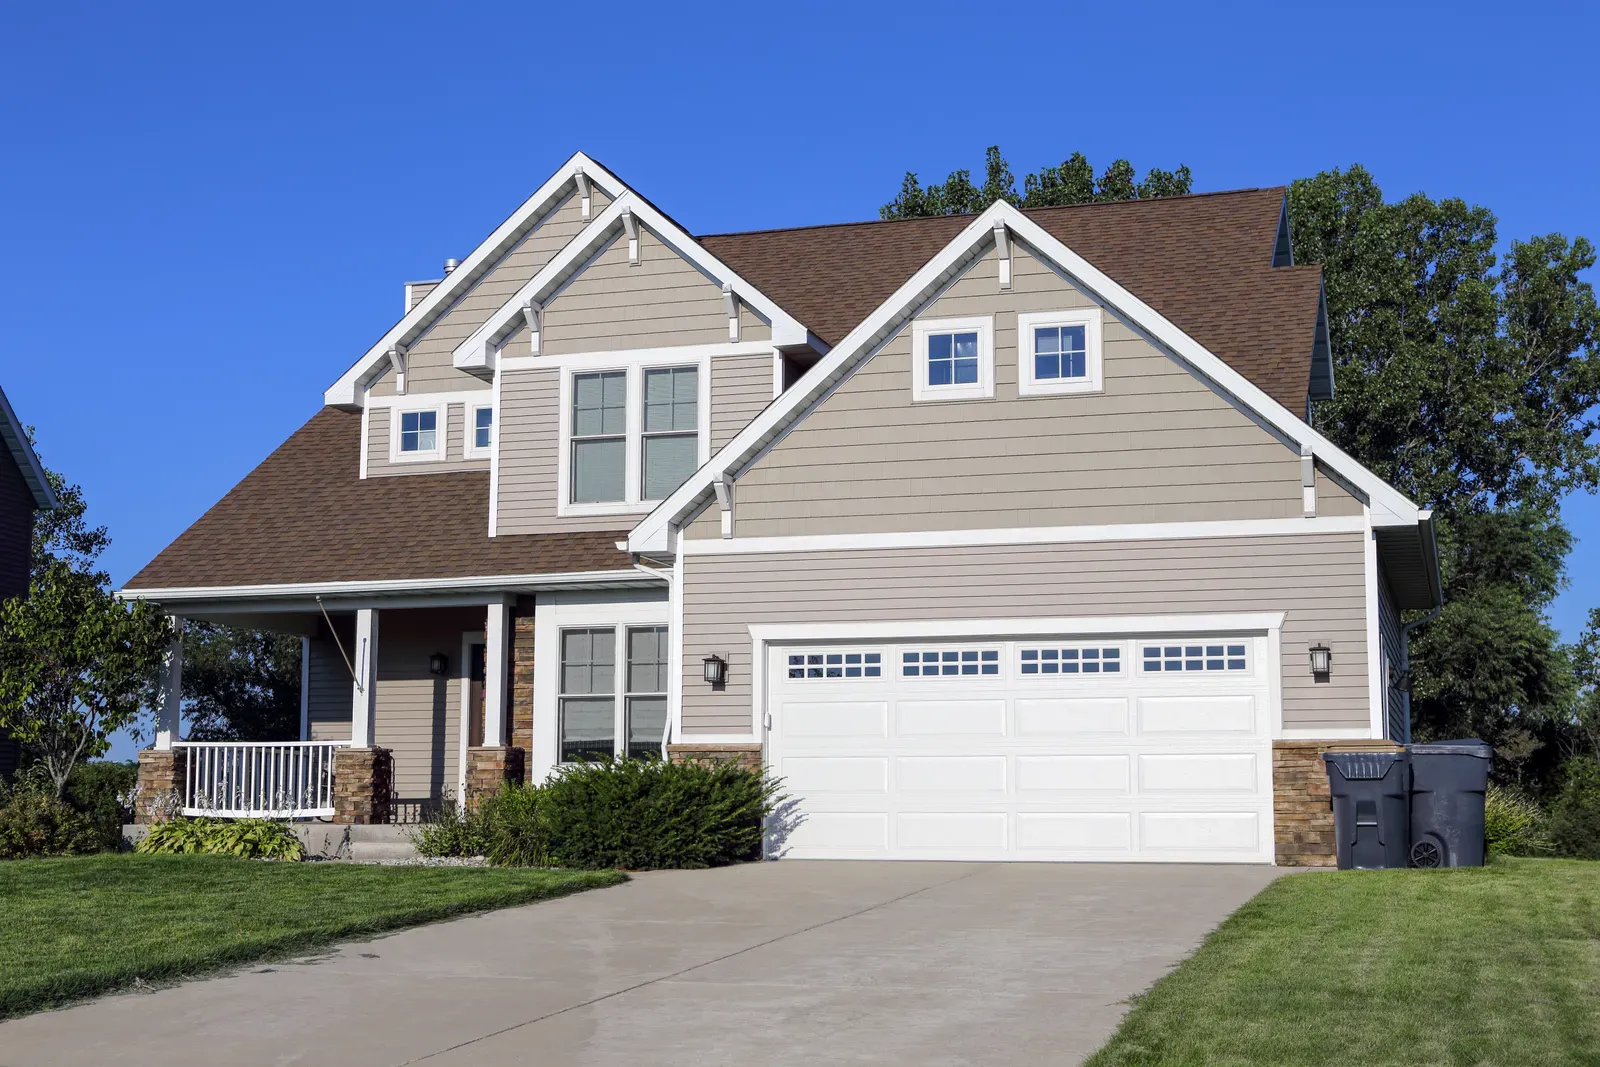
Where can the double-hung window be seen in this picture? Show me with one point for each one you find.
(633, 436)
(1059, 352)
(605, 712)
(481, 431)
(953, 359)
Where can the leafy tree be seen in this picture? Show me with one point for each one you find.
(1072, 182)
(75, 664)
(240, 685)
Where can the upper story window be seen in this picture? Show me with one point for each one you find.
(417, 434)
(631, 436)
(952, 359)
(1059, 352)
(482, 430)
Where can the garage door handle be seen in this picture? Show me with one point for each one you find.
(766, 720)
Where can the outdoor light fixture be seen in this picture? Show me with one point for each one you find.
(716, 669)
(1321, 660)
(438, 663)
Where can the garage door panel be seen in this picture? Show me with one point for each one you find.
(942, 718)
(1074, 831)
(1219, 772)
(1200, 715)
(952, 774)
(1199, 831)
(811, 776)
(836, 718)
(944, 831)
(840, 831)
(1077, 774)
(1071, 717)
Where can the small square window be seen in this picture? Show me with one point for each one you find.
(482, 427)
(1059, 352)
(954, 359)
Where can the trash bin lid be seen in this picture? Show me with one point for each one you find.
(1467, 746)
(1361, 765)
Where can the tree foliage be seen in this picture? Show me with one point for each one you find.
(240, 684)
(1073, 182)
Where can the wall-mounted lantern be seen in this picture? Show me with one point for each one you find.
(715, 669)
(439, 664)
(1321, 662)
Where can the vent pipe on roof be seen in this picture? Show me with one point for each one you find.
(451, 264)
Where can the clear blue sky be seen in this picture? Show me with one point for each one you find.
(208, 211)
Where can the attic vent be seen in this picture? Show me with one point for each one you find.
(451, 264)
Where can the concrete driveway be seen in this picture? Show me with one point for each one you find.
(776, 963)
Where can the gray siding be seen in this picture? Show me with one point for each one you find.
(429, 360)
(1156, 445)
(1318, 580)
(740, 387)
(330, 687)
(418, 716)
(455, 458)
(1392, 642)
(612, 305)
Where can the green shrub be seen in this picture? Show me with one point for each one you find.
(646, 814)
(244, 838)
(104, 792)
(33, 822)
(450, 831)
(1513, 825)
(1574, 822)
(513, 834)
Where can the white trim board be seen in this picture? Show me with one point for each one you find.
(16, 441)
(346, 392)
(489, 584)
(657, 532)
(1108, 625)
(1039, 535)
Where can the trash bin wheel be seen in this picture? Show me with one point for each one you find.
(1425, 853)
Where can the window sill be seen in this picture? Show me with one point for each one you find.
(417, 457)
(641, 507)
(1029, 390)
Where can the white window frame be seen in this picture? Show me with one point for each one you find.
(1201, 640)
(1093, 380)
(884, 664)
(434, 455)
(633, 429)
(982, 389)
(470, 447)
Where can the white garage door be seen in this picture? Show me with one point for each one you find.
(1038, 749)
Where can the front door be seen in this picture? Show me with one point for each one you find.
(475, 676)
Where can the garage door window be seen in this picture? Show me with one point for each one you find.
(825, 665)
(1203, 657)
(1078, 660)
(950, 662)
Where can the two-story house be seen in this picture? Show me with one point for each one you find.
(1002, 536)
(24, 490)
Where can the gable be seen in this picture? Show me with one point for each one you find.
(1156, 444)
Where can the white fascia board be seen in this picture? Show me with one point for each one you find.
(489, 584)
(477, 351)
(16, 441)
(346, 392)
(1389, 507)
(1231, 622)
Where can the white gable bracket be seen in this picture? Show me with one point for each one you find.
(1002, 244)
(730, 307)
(1308, 480)
(532, 313)
(631, 226)
(582, 181)
(397, 359)
(724, 488)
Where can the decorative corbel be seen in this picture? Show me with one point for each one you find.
(730, 307)
(397, 359)
(1002, 244)
(1308, 481)
(533, 315)
(583, 193)
(631, 225)
(724, 489)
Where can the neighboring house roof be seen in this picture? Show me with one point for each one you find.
(305, 516)
(1204, 262)
(15, 439)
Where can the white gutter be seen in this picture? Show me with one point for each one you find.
(502, 583)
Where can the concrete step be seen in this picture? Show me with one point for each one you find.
(374, 851)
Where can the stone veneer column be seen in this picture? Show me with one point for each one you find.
(363, 783)
(520, 714)
(158, 793)
(1302, 809)
(489, 768)
(747, 755)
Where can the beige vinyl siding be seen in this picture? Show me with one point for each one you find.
(740, 387)
(1317, 580)
(419, 714)
(455, 458)
(1156, 445)
(330, 688)
(429, 360)
(612, 305)
(1333, 499)
(1392, 641)
(415, 291)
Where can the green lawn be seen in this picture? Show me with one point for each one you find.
(74, 927)
(1499, 965)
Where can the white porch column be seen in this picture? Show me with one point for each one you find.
(364, 702)
(496, 637)
(169, 696)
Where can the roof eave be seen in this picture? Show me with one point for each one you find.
(21, 449)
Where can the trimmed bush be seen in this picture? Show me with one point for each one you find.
(1574, 823)
(244, 838)
(33, 822)
(449, 832)
(1513, 825)
(512, 830)
(104, 792)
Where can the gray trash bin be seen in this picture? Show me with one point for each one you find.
(1448, 780)
(1370, 817)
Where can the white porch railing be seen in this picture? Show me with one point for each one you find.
(259, 779)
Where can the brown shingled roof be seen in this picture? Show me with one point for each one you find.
(304, 515)
(1205, 262)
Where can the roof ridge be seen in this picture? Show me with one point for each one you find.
(973, 215)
